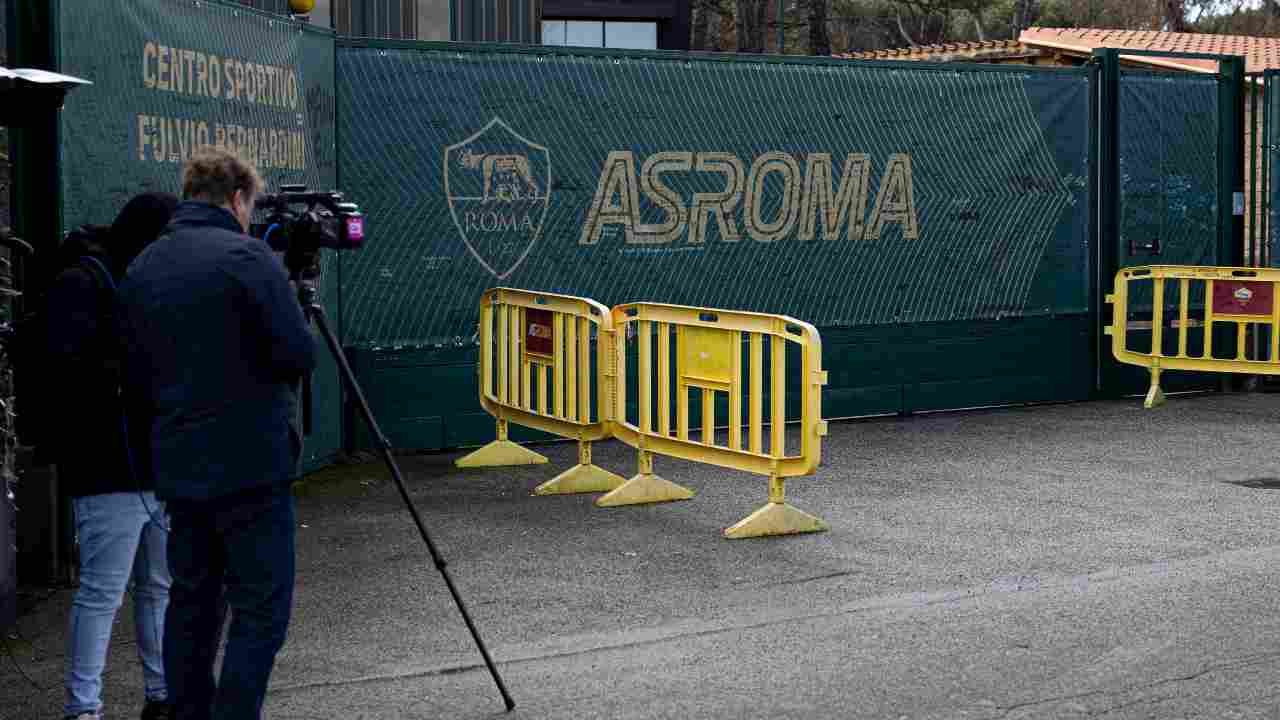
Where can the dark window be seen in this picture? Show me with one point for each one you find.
(640, 24)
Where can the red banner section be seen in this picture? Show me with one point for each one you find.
(538, 333)
(1242, 297)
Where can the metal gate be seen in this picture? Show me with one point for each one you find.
(1170, 187)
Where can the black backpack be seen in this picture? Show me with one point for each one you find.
(27, 348)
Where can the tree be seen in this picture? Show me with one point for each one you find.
(1175, 16)
(1024, 15)
(822, 26)
(924, 22)
(819, 38)
(751, 25)
(703, 13)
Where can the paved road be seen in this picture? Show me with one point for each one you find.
(1091, 560)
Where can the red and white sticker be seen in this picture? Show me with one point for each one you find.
(1243, 297)
(538, 333)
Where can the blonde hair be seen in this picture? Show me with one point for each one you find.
(213, 176)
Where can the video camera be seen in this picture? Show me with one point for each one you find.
(300, 223)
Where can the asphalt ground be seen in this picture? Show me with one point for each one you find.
(1084, 560)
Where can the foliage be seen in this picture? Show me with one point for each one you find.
(854, 25)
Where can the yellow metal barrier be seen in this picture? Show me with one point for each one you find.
(1206, 296)
(535, 370)
(709, 358)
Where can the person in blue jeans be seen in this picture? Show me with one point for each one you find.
(118, 521)
(216, 343)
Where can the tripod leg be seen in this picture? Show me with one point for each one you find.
(349, 377)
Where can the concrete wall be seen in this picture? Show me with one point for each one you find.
(433, 19)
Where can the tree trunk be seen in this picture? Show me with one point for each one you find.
(1175, 16)
(701, 23)
(742, 22)
(760, 41)
(902, 29)
(726, 30)
(751, 26)
(1024, 16)
(819, 39)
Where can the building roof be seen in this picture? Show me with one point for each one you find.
(981, 50)
(1260, 53)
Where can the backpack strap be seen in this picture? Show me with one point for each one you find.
(108, 328)
(102, 269)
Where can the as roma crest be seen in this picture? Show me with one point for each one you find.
(499, 186)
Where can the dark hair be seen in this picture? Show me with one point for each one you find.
(213, 176)
(139, 223)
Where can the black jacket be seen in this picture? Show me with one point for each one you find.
(215, 344)
(86, 412)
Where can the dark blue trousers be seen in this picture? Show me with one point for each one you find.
(245, 544)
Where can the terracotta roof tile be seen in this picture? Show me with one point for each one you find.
(926, 51)
(1260, 53)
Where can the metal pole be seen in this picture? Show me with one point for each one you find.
(1251, 209)
(315, 312)
(1266, 171)
(782, 40)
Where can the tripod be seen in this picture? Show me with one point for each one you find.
(307, 295)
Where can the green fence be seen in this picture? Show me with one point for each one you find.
(932, 219)
(1170, 188)
(938, 222)
(779, 187)
(170, 76)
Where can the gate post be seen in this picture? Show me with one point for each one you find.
(1104, 231)
(1231, 161)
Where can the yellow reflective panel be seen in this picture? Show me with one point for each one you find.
(708, 354)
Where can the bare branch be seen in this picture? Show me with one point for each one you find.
(903, 30)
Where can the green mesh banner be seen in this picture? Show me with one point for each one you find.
(171, 76)
(844, 193)
(1168, 169)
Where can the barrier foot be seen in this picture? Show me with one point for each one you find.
(500, 452)
(585, 477)
(1155, 396)
(776, 518)
(644, 487)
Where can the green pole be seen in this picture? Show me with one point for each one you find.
(1109, 377)
(1251, 204)
(781, 36)
(1267, 149)
(1231, 160)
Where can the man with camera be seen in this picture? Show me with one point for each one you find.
(216, 343)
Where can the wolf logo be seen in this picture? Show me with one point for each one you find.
(498, 185)
(506, 177)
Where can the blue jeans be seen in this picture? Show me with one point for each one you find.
(237, 549)
(119, 539)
